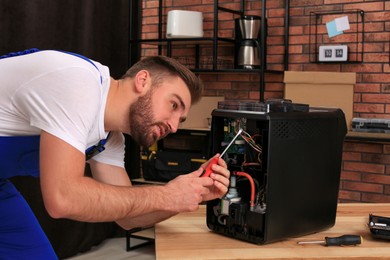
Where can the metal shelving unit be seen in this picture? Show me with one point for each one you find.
(215, 42)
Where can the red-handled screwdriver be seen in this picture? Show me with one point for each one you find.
(208, 170)
(344, 240)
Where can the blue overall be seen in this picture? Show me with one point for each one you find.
(21, 236)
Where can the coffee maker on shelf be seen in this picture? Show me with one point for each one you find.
(248, 49)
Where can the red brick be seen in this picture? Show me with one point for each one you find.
(374, 27)
(360, 186)
(387, 5)
(374, 47)
(207, 10)
(376, 178)
(254, 95)
(273, 77)
(377, 16)
(374, 108)
(367, 87)
(375, 57)
(299, 58)
(349, 196)
(351, 176)
(219, 85)
(306, 2)
(376, 98)
(321, 67)
(376, 37)
(272, 95)
(233, 77)
(270, 4)
(230, 5)
(367, 7)
(376, 158)
(331, 2)
(296, 11)
(274, 87)
(296, 30)
(372, 115)
(275, 59)
(375, 198)
(242, 86)
(363, 147)
(295, 49)
(386, 149)
(150, 4)
(276, 12)
(364, 167)
(149, 28)
(213, 92)
(298, 39)
(352, 156)
(186, 3)
(150, 12)
(237, 95)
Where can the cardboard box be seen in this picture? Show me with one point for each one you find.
(199, 113)
(322, 89)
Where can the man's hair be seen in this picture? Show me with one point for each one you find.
(161, 68)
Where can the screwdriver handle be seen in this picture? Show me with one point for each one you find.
(208, 171)
(344, 240)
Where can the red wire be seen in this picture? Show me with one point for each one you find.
(244, 174)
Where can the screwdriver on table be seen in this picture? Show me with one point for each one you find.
(208, 170)
(344, 240)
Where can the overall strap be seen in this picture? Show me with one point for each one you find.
(86, 59)
(19, 53)
(96, 149)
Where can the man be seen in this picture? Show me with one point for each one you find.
(67, 108)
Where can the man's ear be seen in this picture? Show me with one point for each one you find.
(142, 81)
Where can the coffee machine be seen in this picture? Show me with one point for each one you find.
(247, 29)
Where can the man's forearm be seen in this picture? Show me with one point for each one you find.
(92, 201)
(145, 220)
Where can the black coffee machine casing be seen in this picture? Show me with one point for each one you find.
(247, 54)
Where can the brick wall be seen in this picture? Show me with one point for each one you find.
(366, 165)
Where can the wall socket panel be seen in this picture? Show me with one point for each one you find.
(333, 53)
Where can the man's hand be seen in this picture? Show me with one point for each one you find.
(186, 191)
(220, 176)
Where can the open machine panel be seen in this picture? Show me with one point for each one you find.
(285, 173)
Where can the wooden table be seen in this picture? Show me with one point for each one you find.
(186, 236)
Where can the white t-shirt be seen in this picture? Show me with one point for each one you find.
(61, 94)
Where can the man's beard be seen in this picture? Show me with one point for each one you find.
(142, 121)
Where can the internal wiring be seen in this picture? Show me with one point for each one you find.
(249, 139)
(252, 201)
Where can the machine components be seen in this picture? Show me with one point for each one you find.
(245, 197)
(208, 170)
